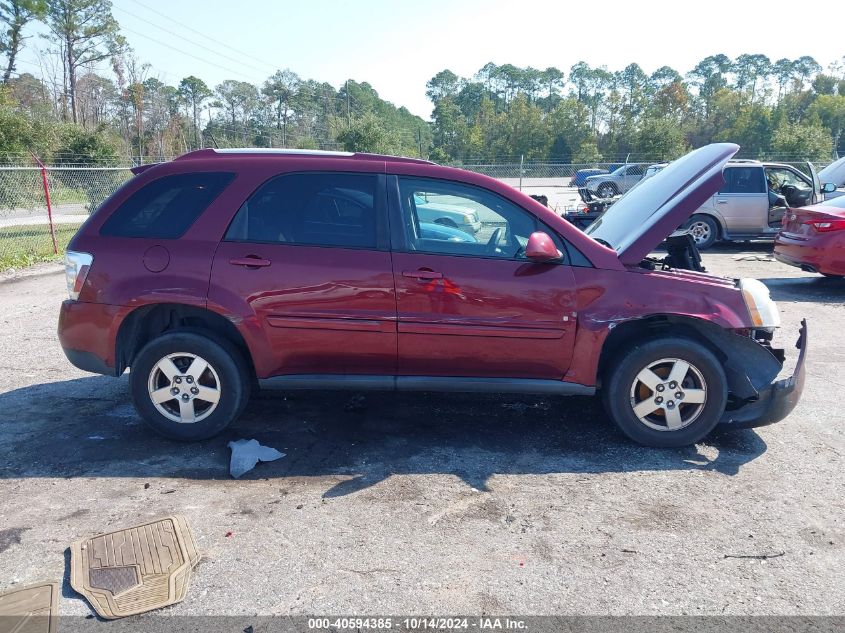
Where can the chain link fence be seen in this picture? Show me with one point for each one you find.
(41, 209)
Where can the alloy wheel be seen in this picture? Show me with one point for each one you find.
(700, 232)
(184, 387)
(669, 394)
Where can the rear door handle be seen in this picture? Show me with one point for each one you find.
(722, 201)
(422, 274)
(250, 261)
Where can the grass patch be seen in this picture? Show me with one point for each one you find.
(67, 195)
(22, 246)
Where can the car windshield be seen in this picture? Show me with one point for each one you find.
(838, 202)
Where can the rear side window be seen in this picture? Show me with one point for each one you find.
(743, 180)
(310, 209)
(167, 207)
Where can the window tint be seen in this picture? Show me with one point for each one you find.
(743, 180)
(314, 209)
(167, 207)
(455, 219)
(636, 170)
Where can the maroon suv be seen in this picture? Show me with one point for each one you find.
(226, 269)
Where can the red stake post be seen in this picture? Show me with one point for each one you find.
(49, 206)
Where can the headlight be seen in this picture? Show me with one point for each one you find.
(764, 312)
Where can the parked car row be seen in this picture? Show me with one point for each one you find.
(750, 205)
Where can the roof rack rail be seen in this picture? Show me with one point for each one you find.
(298, 153)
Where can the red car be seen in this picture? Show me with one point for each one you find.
(227, 269)
(813, 238)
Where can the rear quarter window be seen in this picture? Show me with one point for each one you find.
(166, 207)
(743, 180)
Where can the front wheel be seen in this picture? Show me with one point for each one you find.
(666, 392)
(187, 386)
(704, 229)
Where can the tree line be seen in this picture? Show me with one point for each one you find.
(73, 111)
(787, 109)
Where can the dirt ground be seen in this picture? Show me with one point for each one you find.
(437, 504)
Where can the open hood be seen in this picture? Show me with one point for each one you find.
(835, 173)
(642, 218)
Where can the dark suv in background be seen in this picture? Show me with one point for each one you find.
(224, 269)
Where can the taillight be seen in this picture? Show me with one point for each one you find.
(826, 226)
(77, 266)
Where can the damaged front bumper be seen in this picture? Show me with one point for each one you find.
(776, 401)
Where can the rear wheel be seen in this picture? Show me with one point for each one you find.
(704, 229)
(666, 392)
(187, 386)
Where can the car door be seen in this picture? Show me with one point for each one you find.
(307, 257)
(477, 307)
(742, 201)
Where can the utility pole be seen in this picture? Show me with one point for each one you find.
(419, 140)
(348, 114)
(521, 169)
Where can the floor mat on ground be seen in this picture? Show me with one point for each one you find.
(30, 609)
(135, 570)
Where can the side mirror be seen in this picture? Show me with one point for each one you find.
(828, 187)
(541, 248)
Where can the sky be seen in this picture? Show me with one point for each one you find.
(398, 45)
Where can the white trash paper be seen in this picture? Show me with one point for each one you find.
(247, 453)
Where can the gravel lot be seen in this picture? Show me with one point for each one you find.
(437, 504)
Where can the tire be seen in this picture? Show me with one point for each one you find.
(446, 222)
(606, 190)
(704, 380)
(705, 230)
(166, 364)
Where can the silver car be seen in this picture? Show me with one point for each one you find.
(449, 215)
(618, 181)
(751, 203)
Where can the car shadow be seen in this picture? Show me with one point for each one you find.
(365, 438)
(809, 289)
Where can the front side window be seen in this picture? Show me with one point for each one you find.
(310, 209)
(779, 177)
(166, 207)
(456, 219)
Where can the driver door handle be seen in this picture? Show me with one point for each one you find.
(422, 274)
(250, 261)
